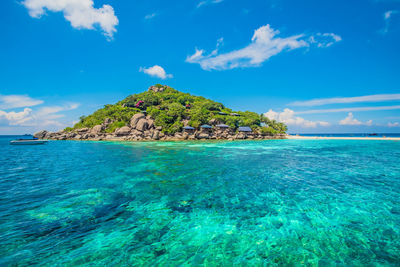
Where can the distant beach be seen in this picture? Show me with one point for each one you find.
(301, 137)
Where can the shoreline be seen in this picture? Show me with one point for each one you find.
(288, 137)
(171, 139)
(299, 137)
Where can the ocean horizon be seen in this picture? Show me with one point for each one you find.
(273, 202)
(347, 134)
(293, 134)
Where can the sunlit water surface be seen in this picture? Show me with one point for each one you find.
(251, 203)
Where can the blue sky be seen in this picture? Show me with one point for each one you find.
(60, 59)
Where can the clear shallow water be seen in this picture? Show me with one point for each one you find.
(352, 134)
(291, 202)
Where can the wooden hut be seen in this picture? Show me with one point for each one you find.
(188, 129)
(222, 126)
(206, 128)
(245, 129)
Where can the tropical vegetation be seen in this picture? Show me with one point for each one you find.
(171, 109)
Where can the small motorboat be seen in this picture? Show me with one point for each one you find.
(34, 141)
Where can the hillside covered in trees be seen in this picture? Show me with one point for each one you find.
(172, 110)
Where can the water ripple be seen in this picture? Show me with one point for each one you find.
(254, 203)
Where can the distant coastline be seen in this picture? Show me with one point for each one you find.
(322, 137)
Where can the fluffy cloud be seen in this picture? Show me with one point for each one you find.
(393, 124)
(350, 120)
(264, 44)
(288, 117)
(18, 101)
(42, 117)
(325, 39)
(156, 71)
(15, 118)
(80, 13)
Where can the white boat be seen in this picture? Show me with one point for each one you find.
(28, 142)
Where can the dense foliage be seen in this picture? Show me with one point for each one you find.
(170, 108)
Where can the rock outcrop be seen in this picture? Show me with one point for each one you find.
(157, 89)
(135, 119)
(41, 134)
(142, 125)
(123, 131)
(142, 128)
(97, 129)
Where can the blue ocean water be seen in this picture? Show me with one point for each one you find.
(247, 203)
(350, 134)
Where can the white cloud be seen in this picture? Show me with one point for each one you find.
(208, 2)
(264, 44)
(387, 17)
(80, 13)
(15, 118)
(389, 14)
(343, 100)
(333, 110)
(325, 39)
(288, 117)
(18, 101)
(156, 71)
(350, 120)
(50, 112)
(42, 117)
(393, 124)
(150, 16)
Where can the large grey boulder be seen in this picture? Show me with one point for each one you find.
(142, 125)
(83, 130)
(135, 119)
(203, 135)
(40, 134)
(70, 135)
(97, 129)
(123, 131)
(151, 123)
(213, 122)
(48, 135)
(157, 89)
(240, 136)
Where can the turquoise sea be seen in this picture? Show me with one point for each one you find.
(247, 203)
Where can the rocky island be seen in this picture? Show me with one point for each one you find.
(163, 113)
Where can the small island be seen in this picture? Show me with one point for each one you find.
(163, 113)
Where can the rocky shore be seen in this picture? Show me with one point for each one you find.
(142, 128)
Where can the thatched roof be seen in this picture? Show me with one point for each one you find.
(245, 129)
